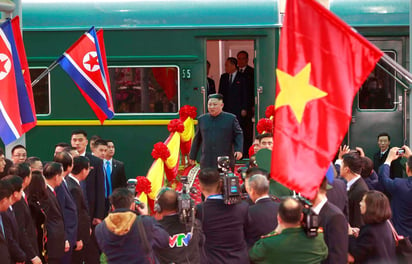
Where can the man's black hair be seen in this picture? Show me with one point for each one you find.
(99, 142)
(215, 96)
(353, 162)
(22, 170)
(79, 131)
(167, 200)
(62, 144)
(244, 52)
(233, 61)
(52, 169)
(5, 189)
(80, 163)
(384, 134)
(18, 147)
(121, 198)
(209, 176)
(290, 211)
(15, 181)
(64, 158)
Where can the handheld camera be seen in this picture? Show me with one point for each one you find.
(310, 221)
(185, 203)
(231, 191)
(131, 186)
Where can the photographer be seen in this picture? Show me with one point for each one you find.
(222, 224)
(120, 237)
(183, 245)
(289, 242)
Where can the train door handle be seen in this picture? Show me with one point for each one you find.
(399, 103)
(259, 91)
(203, 92)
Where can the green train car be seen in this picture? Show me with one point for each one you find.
(157, 52)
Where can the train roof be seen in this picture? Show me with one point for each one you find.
(167, 14)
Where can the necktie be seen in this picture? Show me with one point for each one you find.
(241, 70)
(230, 79)
(2, 227)
(108, 181)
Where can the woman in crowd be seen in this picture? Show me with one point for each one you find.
(374, 243)
(36, 196)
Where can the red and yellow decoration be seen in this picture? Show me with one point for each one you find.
(167, 156)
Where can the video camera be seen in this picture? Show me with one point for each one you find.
(231, 190)
(185, 202)
(131, 186)
(310, 221)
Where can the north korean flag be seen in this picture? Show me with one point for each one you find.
(11, 80)
(84, 63)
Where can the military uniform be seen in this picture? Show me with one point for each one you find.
(290, 246)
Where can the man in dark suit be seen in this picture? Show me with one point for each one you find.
(116, 167)
(67, 205)
(350, 170)
(211, 87)
(222, 224)
(218, 134)
(249, 73)
(5, 193)
(79, 173)
(94, 189)
(27, 229)
(334, 224)
(53, 172)
(11, 227)
(384, 142)
(339, 196)
(263, 214)
(232, 86)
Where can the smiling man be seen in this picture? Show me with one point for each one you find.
(218, 134)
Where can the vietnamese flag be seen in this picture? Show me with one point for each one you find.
(322, 64)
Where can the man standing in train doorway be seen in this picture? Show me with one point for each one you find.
(217, 134)
(249, 74)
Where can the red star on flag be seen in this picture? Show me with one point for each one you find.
(2, 65)
(92, 61)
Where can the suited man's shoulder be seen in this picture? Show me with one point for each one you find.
(117, 162)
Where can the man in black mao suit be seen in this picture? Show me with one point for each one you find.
(339, 196)
(218, 134)
(54, 222)
(118, 173)
(222, 224)
(79, 173)
(335, 227)
(232, 86)
(263, 213)
(94, 189)
(350, 170)
(5, 192)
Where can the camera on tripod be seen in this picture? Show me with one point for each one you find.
(310, 221)
(231, 191)
(184, 202)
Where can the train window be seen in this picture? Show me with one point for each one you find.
(378, 91)
(41, 92)
(148, 89)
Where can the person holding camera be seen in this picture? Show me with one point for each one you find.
(288, 243)
(222, 224)
(125, 237)
(183, 244)
(218, 134)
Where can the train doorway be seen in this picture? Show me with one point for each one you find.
(381, 103)
(237, 87)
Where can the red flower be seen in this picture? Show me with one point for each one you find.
(270, 111)
(187, 111)
(143, 185)
(175, 125)
(265, 125)
(160, 150)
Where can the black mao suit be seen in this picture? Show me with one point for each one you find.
(234, 94)
(216, 136)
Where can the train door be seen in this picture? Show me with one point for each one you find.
(380, 105)
(218, 51)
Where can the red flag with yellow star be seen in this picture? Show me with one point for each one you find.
(322, 64)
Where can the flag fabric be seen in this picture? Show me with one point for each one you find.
(322, 63)
(26, 99)
(85, 62)
(17, 114)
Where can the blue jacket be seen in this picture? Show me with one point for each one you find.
(118, 237)
(401, 202)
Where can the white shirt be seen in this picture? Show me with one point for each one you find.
(351, 182)
(263, 197)
(51, 188)
(319, 207)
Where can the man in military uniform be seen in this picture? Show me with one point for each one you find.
(289, 243)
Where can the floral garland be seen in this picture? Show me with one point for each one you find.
(143, 185)
(160, 150)
(175, 125)
(187, 111)
(265, 125)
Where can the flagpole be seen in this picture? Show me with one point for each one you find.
(397, 67)
(45, 72)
